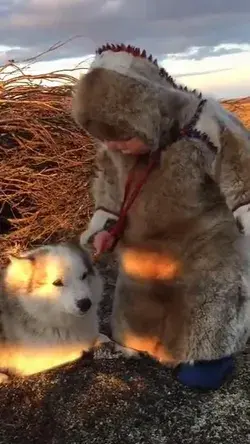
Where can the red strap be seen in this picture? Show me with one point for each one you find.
(130, 195)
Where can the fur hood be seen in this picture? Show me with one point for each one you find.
(125, 94)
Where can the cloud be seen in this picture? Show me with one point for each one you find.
(199, 53)
(203, 73)
(162, 27)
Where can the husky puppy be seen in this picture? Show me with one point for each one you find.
(48, 309)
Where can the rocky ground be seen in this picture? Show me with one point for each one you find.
(106, 399)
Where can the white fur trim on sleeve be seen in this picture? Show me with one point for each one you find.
(242, 214)
(97, 223)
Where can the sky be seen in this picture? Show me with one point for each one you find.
(204, 44)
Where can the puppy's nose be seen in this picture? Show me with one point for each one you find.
(84, 304)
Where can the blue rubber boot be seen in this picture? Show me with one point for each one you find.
(206, 375)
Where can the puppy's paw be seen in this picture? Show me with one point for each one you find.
(4, 378)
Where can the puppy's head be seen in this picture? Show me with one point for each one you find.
(53, 280)
(116, 100)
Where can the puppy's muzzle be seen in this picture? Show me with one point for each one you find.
(84, 305)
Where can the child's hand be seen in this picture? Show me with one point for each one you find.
(133, 146)
(103, 240)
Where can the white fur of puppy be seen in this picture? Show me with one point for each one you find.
(48, 309)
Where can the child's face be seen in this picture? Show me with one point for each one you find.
(134, 146)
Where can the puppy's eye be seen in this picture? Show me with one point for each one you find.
(84, 275)
(58, 283)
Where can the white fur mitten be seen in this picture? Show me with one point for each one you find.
(242, 217)
(102, 220)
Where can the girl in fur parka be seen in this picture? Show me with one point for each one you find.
(182, 293)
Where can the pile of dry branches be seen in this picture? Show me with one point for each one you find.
(46, 163)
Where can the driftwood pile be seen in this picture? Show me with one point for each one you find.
(46, 164)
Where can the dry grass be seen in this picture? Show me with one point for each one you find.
(241, 108)
(46, 164)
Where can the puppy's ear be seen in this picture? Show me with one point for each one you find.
(19, 270)
(13, 258)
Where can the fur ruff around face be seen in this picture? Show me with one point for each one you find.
(183, 218)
